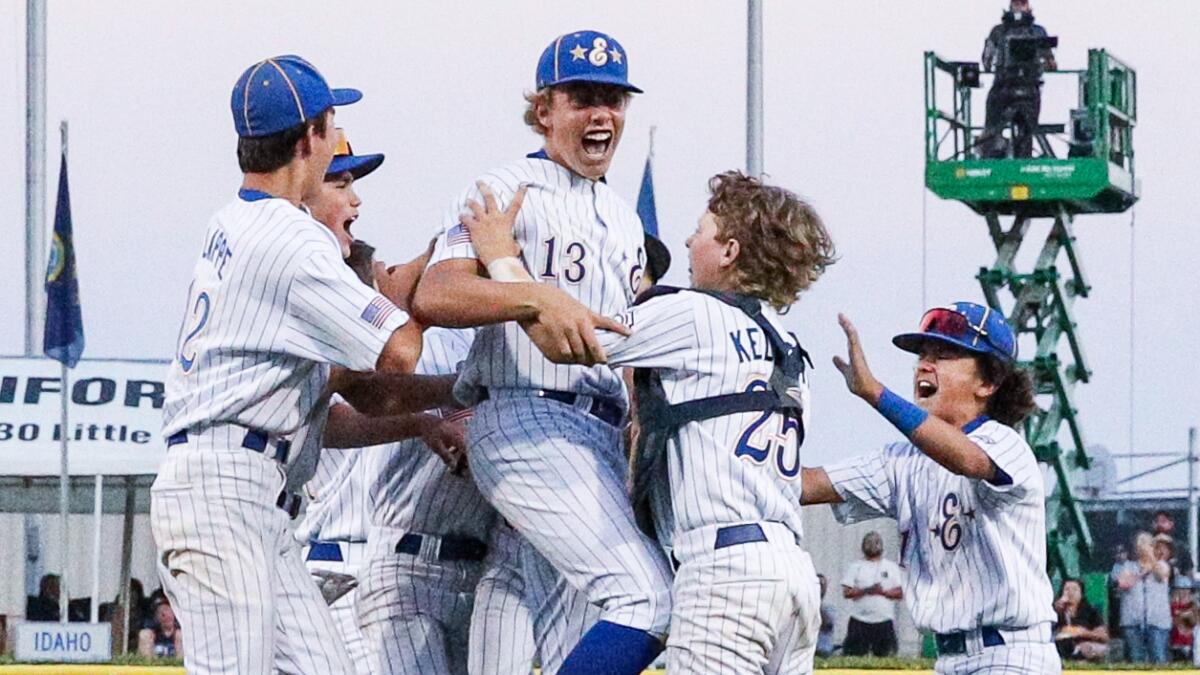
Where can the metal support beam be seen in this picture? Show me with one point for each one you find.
(1042, 304)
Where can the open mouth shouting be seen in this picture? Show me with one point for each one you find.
(597, 143)
(926, 386)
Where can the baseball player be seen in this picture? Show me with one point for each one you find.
(270, 308)
(965, 489)
(335, 523)
(721, 397)
(544, 444)
(427, 542)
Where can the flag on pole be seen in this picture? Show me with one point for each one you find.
(645, 202)
(63, 338)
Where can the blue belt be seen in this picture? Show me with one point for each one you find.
(327, 551)
(739, 534)
(258, 441)
(602, 409)
(953, 644)
(452, 548)
(255, 440)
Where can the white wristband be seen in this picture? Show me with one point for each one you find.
(508, 269)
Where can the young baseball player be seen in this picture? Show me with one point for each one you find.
(721, 388)
(270, 308)
(426, 545)
(544, 444)
(965, 489)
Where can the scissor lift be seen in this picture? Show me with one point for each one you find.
(1096, 175)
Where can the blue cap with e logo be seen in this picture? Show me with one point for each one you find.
(584, 56)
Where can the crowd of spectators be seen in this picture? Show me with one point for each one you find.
(1151, 596)
(153, 631)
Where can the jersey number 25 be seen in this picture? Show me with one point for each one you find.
(771, 434)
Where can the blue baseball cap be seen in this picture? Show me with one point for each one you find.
(281, 92)
(975, 328)
(584, 56)
(345, 160)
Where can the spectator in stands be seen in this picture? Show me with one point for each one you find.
(1145, 605)
(44, 605)
(1163, 524)
(163, 639)
(1120, 556)
(1183, 619)
(825, 644)
(873, 586)
(1082, 634)
(1164, 550)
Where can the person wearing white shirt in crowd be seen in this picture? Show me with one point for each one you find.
(873, 587)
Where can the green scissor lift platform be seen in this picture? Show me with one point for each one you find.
(1096, 175)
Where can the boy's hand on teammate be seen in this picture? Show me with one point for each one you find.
(565, 330)
(448, 439)
(859, 379)
(492, 228)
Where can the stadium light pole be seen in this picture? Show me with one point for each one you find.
(754, 88)
(35, 174)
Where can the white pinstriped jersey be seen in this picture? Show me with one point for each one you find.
(337, 492)
(574, 233)
(730, 469)
(271, 305)
(409, 485)
(974, 552)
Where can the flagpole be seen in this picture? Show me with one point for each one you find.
(64, 476)
(754, 88)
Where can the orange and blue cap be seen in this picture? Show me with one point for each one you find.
(345, 160)
(282, 92)
(584, 56)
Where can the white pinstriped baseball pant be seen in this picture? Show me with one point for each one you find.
(502, 619)
(557, 475)
(415, 610)
(232, 569)
(342, 609)
(747, 608)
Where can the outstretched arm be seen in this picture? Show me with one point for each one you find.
(941, 441)
(817, 488)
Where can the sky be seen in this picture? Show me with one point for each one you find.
(145, 87)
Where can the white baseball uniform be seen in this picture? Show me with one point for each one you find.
(428, 539)
(746, 594)
(502, 640)
(271, 305)
(333, 532)
(555, 469)
(974, 551)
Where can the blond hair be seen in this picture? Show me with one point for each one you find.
(783, 244)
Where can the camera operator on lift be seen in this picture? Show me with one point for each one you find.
(1018, 50)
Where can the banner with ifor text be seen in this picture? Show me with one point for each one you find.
(114, 416)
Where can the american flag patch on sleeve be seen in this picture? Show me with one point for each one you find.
(459, 234)
(378, 311)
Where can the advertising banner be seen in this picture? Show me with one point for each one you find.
(114, 416)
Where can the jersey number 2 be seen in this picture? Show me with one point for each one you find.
(758, 442)
(198, 312)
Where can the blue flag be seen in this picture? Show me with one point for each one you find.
(645, 203)
(63, 339)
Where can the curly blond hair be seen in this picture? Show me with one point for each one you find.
(783, 244)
